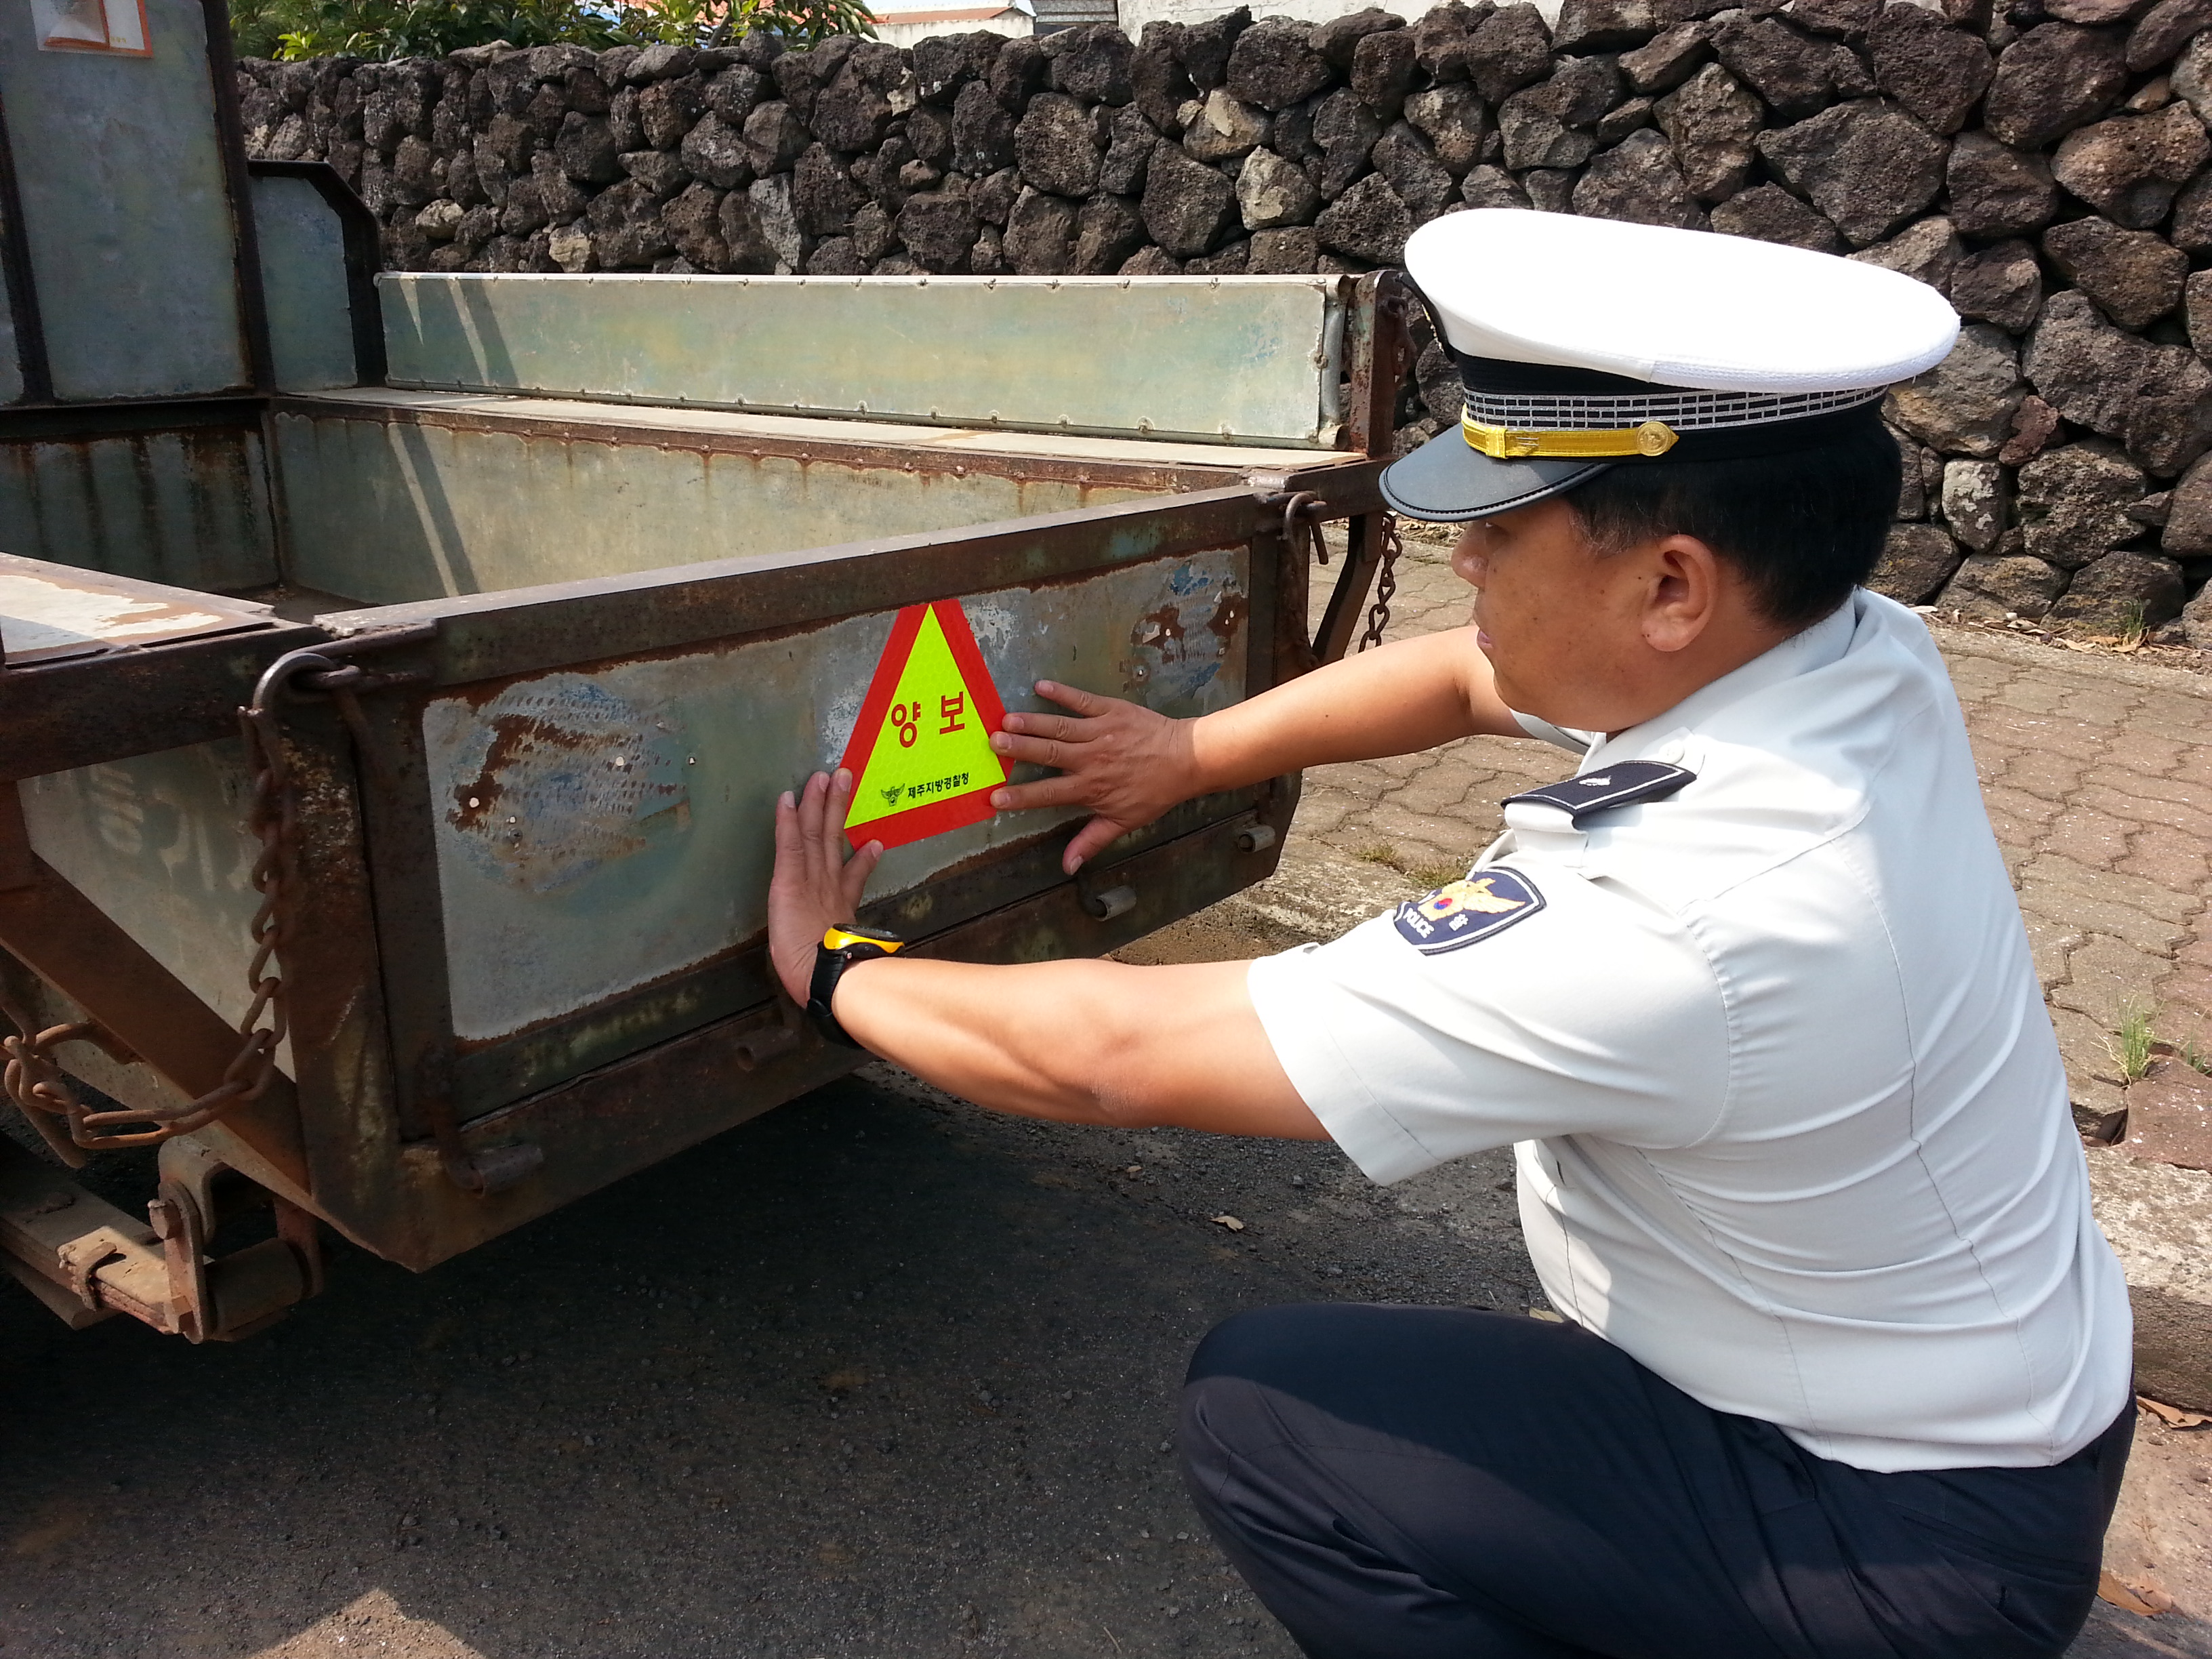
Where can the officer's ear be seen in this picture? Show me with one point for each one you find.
(1687, 587)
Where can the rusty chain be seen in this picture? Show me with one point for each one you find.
(36, 1083)
(1386, 583)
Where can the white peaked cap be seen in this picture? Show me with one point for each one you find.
(1587, 343)
(1688, 309)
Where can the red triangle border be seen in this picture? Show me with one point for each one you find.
(949, 813)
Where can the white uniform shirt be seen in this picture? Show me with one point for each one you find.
(1794, 1131)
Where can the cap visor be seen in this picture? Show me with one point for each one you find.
(1447, 481)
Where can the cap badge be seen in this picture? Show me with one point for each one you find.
(1503, 443)
(1460, 912)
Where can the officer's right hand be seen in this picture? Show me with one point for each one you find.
(1124, 762)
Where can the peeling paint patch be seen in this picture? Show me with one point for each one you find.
(995, 626)
(1231, 608)
(1160, 631)
(39, 616)
(1177, 649)
(557, 776)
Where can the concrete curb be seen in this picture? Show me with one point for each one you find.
(2100, 665)
(2159, 1221)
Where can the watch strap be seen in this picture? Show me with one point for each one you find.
(840, 948)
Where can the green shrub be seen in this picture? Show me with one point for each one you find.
(383, 29)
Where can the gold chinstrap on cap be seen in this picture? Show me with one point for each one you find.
(1503, 443)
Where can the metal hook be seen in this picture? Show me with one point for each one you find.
(1302, 514)
(276, 676)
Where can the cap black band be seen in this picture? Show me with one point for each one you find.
(1514, 408)
(1731, 443)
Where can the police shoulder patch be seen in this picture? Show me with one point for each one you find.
(1622, 784)
(1460, 912)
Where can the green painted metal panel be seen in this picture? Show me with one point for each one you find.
(303, 284)
(1244, 360)
(133, 247)
(159, 842)
(188, 507)
(388, 512)
(603, 827)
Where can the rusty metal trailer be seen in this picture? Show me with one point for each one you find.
(399, 668)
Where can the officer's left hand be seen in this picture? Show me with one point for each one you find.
(1124, 762)
(815, 886)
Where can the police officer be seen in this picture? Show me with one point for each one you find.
(1846, 1368)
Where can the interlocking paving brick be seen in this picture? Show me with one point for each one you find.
(2049, 941)
(2140, 752)
(2184, 1003)
(2040, 734)
(2093, 1079)
(1364, 780)
(1974, 679)
(2083, 705)
(2098, 887)
(1322, 812)
(2187, 712)
(2163, 725)
(2128, 798)
(2021, 806)
(1436, 832)
(2195, 763)
(1399, 767)
(2041, 770)
(2173, 859)
(2179, 792)
(2089, 838)
(1436, 792)
(2106, 979)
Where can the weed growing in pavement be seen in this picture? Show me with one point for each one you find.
(1435, 875)
(2131, 1044)
(2193, 1057)
(1428, 873)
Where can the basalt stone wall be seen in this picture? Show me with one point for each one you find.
(2046, 167)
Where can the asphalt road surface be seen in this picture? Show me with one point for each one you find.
(877, 1374)
(874, 1373)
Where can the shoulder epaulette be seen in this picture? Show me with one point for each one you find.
(1620, 784)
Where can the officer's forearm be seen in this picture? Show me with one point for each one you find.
(1399, 699)
(1081, 1042)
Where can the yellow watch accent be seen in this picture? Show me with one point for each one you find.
(836, 938)
(1503, 443)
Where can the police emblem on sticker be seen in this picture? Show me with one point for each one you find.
(1460, 912)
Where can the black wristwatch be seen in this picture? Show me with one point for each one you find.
(840, 949)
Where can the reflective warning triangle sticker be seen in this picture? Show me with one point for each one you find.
(921, 752)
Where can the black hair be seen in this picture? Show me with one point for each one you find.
(1803, 527)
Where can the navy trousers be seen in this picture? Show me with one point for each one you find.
(1429, 1483)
